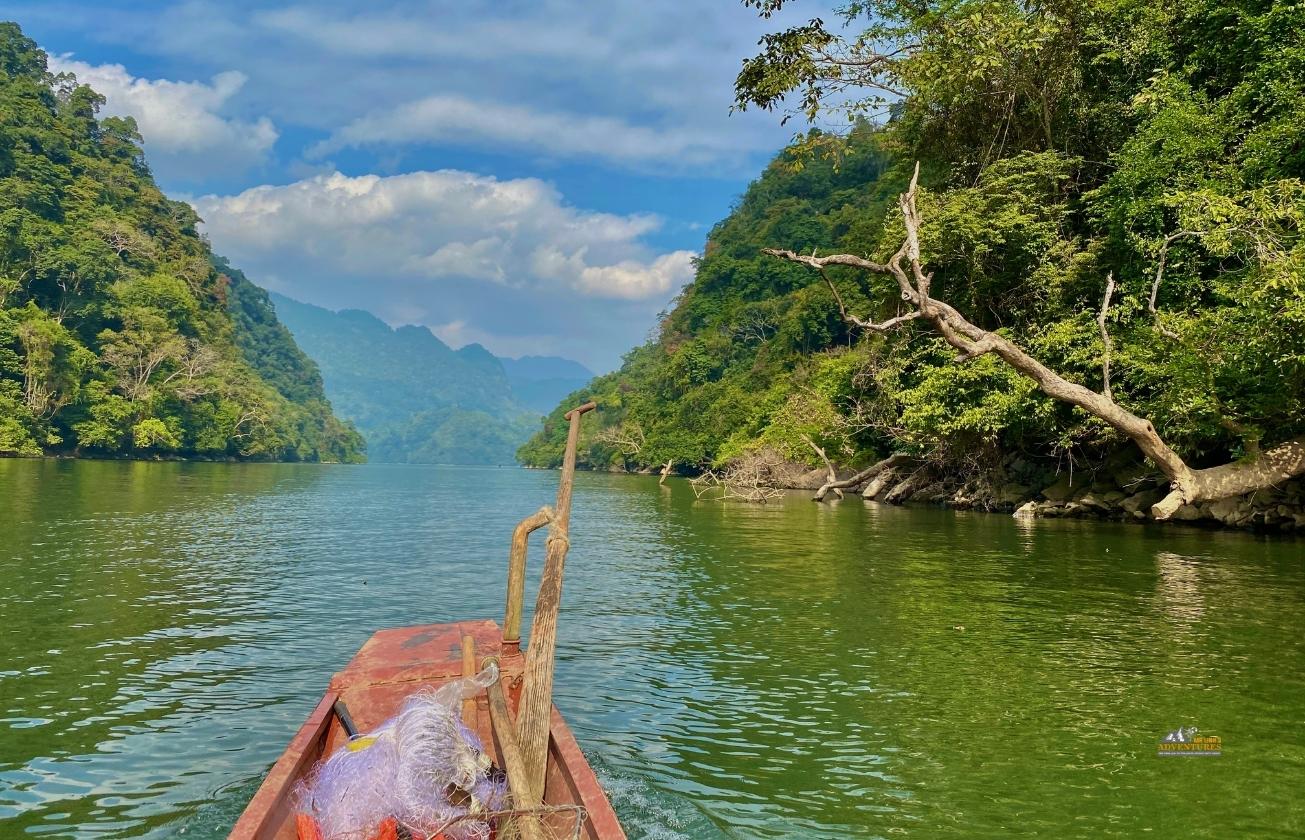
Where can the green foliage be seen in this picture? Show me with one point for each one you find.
(416, 399)
(115, 335)
(1058, 144)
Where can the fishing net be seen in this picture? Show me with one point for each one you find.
(423, 767)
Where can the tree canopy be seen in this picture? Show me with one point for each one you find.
(1161, 145)
(120, 332)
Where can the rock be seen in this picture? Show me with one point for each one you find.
(1028, 510)
(1234, 510)
(935, 492)
(1090, 500)
(879, 484)
(903, 491)
(1141, 502)
(1113, 497)
(1013, 494)
(1063, 488)
(1187, 513)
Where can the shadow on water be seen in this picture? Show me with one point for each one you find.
(793, 669)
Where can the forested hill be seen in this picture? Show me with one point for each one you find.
(120, 333)
(415, 399)
(748, 334)
(1156, 147)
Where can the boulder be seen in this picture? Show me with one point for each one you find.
(935, 492)
(1028, 510)
(1187, 513)
(1141, 502)
(1234, 510)
(1093, 502)
(1063, 488)
(1013, 494)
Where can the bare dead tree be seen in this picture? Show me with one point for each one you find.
(753, 328)
(193, 366)
(1159, 277)
(628, 437)
(748, 479)
(1105, 336)
(135, 358)
(892, 462)
(1279, 463)
(829, 468)
(125, 240)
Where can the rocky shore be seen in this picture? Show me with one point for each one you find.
(1123, 487)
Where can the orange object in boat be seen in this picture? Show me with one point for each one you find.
(389, 830)
(389, 667)
(306, 828)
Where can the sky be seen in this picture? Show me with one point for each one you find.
(536, 177)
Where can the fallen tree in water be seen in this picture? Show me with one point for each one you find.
(1187, 485)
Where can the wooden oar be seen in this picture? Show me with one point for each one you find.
(537, 692)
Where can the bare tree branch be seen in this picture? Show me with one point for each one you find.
(899, 459)
(1105, 336)
(829, 465)
(1159, 276)
(1279, 463)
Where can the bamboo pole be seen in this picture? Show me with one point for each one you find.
(516, 582)
(537, 691)
(469, 671)
(510, 751)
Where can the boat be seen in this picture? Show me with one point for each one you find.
(521, 730)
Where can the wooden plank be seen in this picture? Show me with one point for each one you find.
(375, 684)
(270, 808)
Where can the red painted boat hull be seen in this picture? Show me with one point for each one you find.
(389, 667)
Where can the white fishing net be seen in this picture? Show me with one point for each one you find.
(423, 767)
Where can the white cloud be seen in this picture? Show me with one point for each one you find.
(451, 226)
(180, 121)
(458, 333)
(458, 120)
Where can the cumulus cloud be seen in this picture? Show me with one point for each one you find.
(185, 133)
(455, 119)
(448, 226)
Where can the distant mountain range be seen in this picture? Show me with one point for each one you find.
(417, 400)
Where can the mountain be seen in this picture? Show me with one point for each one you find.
(121, 334)
(1127, 211)
(415, 399)
(539, 382)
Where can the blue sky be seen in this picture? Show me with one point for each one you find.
(534, 176)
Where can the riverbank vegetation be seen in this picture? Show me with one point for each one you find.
(1115, 188)
(120, 332)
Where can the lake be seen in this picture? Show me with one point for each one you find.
(732, 671)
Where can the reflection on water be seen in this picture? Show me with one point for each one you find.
(787, 670)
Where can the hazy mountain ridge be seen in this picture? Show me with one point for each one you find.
(417, 400)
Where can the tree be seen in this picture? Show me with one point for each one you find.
(116, 333)
(1283, 461)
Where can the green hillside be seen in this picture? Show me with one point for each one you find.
(415, 399)
(120, 333)
(1060, 147)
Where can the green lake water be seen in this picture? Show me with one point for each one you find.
(732, 671)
